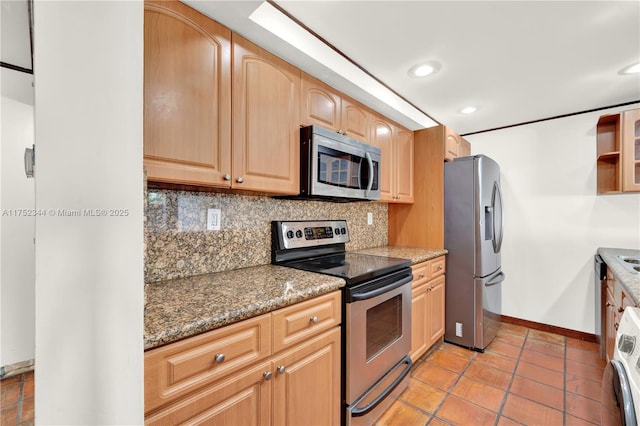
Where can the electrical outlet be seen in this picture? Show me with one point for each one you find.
(369, 218)
(213, 219)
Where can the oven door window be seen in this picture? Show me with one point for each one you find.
(344, 170)
(384, 325)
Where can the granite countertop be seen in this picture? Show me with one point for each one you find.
(184, 307)
(415, 254)
(629, 280)
(179, 308)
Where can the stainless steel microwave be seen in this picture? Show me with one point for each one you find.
(337, 167)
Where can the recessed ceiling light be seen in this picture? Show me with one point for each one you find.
(631, 69)
(424, 69)
(468, 110)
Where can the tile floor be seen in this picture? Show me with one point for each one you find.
(525, 376)
(17, 400)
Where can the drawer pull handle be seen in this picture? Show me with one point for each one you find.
(314, 319)
(439, 267)
(281, 369)
(219, 358)
(420, 275)
(267, 375)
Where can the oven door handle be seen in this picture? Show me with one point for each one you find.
(357, 412)
(377, 292)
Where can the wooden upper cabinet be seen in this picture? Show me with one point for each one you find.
(326, 107)
(455, 145)
(396, 165)
(187, 96)
(356, 120)
(631, 150)
(382, 137)
(321, 105)
(618, 152)
(266, 118)
(403, 141)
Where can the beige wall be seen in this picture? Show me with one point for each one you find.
(554, 221)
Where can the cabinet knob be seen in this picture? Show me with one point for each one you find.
(420, 275)
(439, 267)
(621, 310)
(314, 319)
(281, 369)
(227, 177)
(267, 375)
(240, 179)
(219, 358)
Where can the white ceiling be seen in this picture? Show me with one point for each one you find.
(516, 61)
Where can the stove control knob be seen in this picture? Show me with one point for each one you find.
(289, 234)
(299, 233)
(343, 231)
(337, 231)
(626, 343)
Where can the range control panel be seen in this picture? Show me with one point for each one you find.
(299, 234)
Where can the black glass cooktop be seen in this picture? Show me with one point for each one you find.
(353, 267)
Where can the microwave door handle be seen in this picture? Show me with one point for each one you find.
(370, 184)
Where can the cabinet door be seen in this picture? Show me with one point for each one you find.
(418, 321)
(243, 399)
(320, 105)
(382, 137)
(610, 325)
(173, 371)
(403, 144)
(266, 120)
(465, 148)
(451, 145)
(306, 385)
(187, 96)
(435, 297)
(356, 120)
(631, 150)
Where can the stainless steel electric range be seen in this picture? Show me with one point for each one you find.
(376, 311)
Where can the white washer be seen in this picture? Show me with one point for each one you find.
(621, 378)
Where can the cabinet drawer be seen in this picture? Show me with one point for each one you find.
(421, 272)
(243, 399)
(182, 367)
(303, 320)
(437, 266)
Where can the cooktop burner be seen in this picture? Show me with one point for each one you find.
(319, 246)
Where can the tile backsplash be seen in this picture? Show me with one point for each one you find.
(178, 243)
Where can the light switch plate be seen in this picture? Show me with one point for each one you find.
(213, 219)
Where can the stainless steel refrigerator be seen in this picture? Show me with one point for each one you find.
(473, 231)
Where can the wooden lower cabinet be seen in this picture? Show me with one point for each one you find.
(427, 305)
(617, 299)
(306, 389)
(186, 382)
(243, 399)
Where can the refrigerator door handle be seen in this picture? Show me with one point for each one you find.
(497, 218)
(496, 280)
